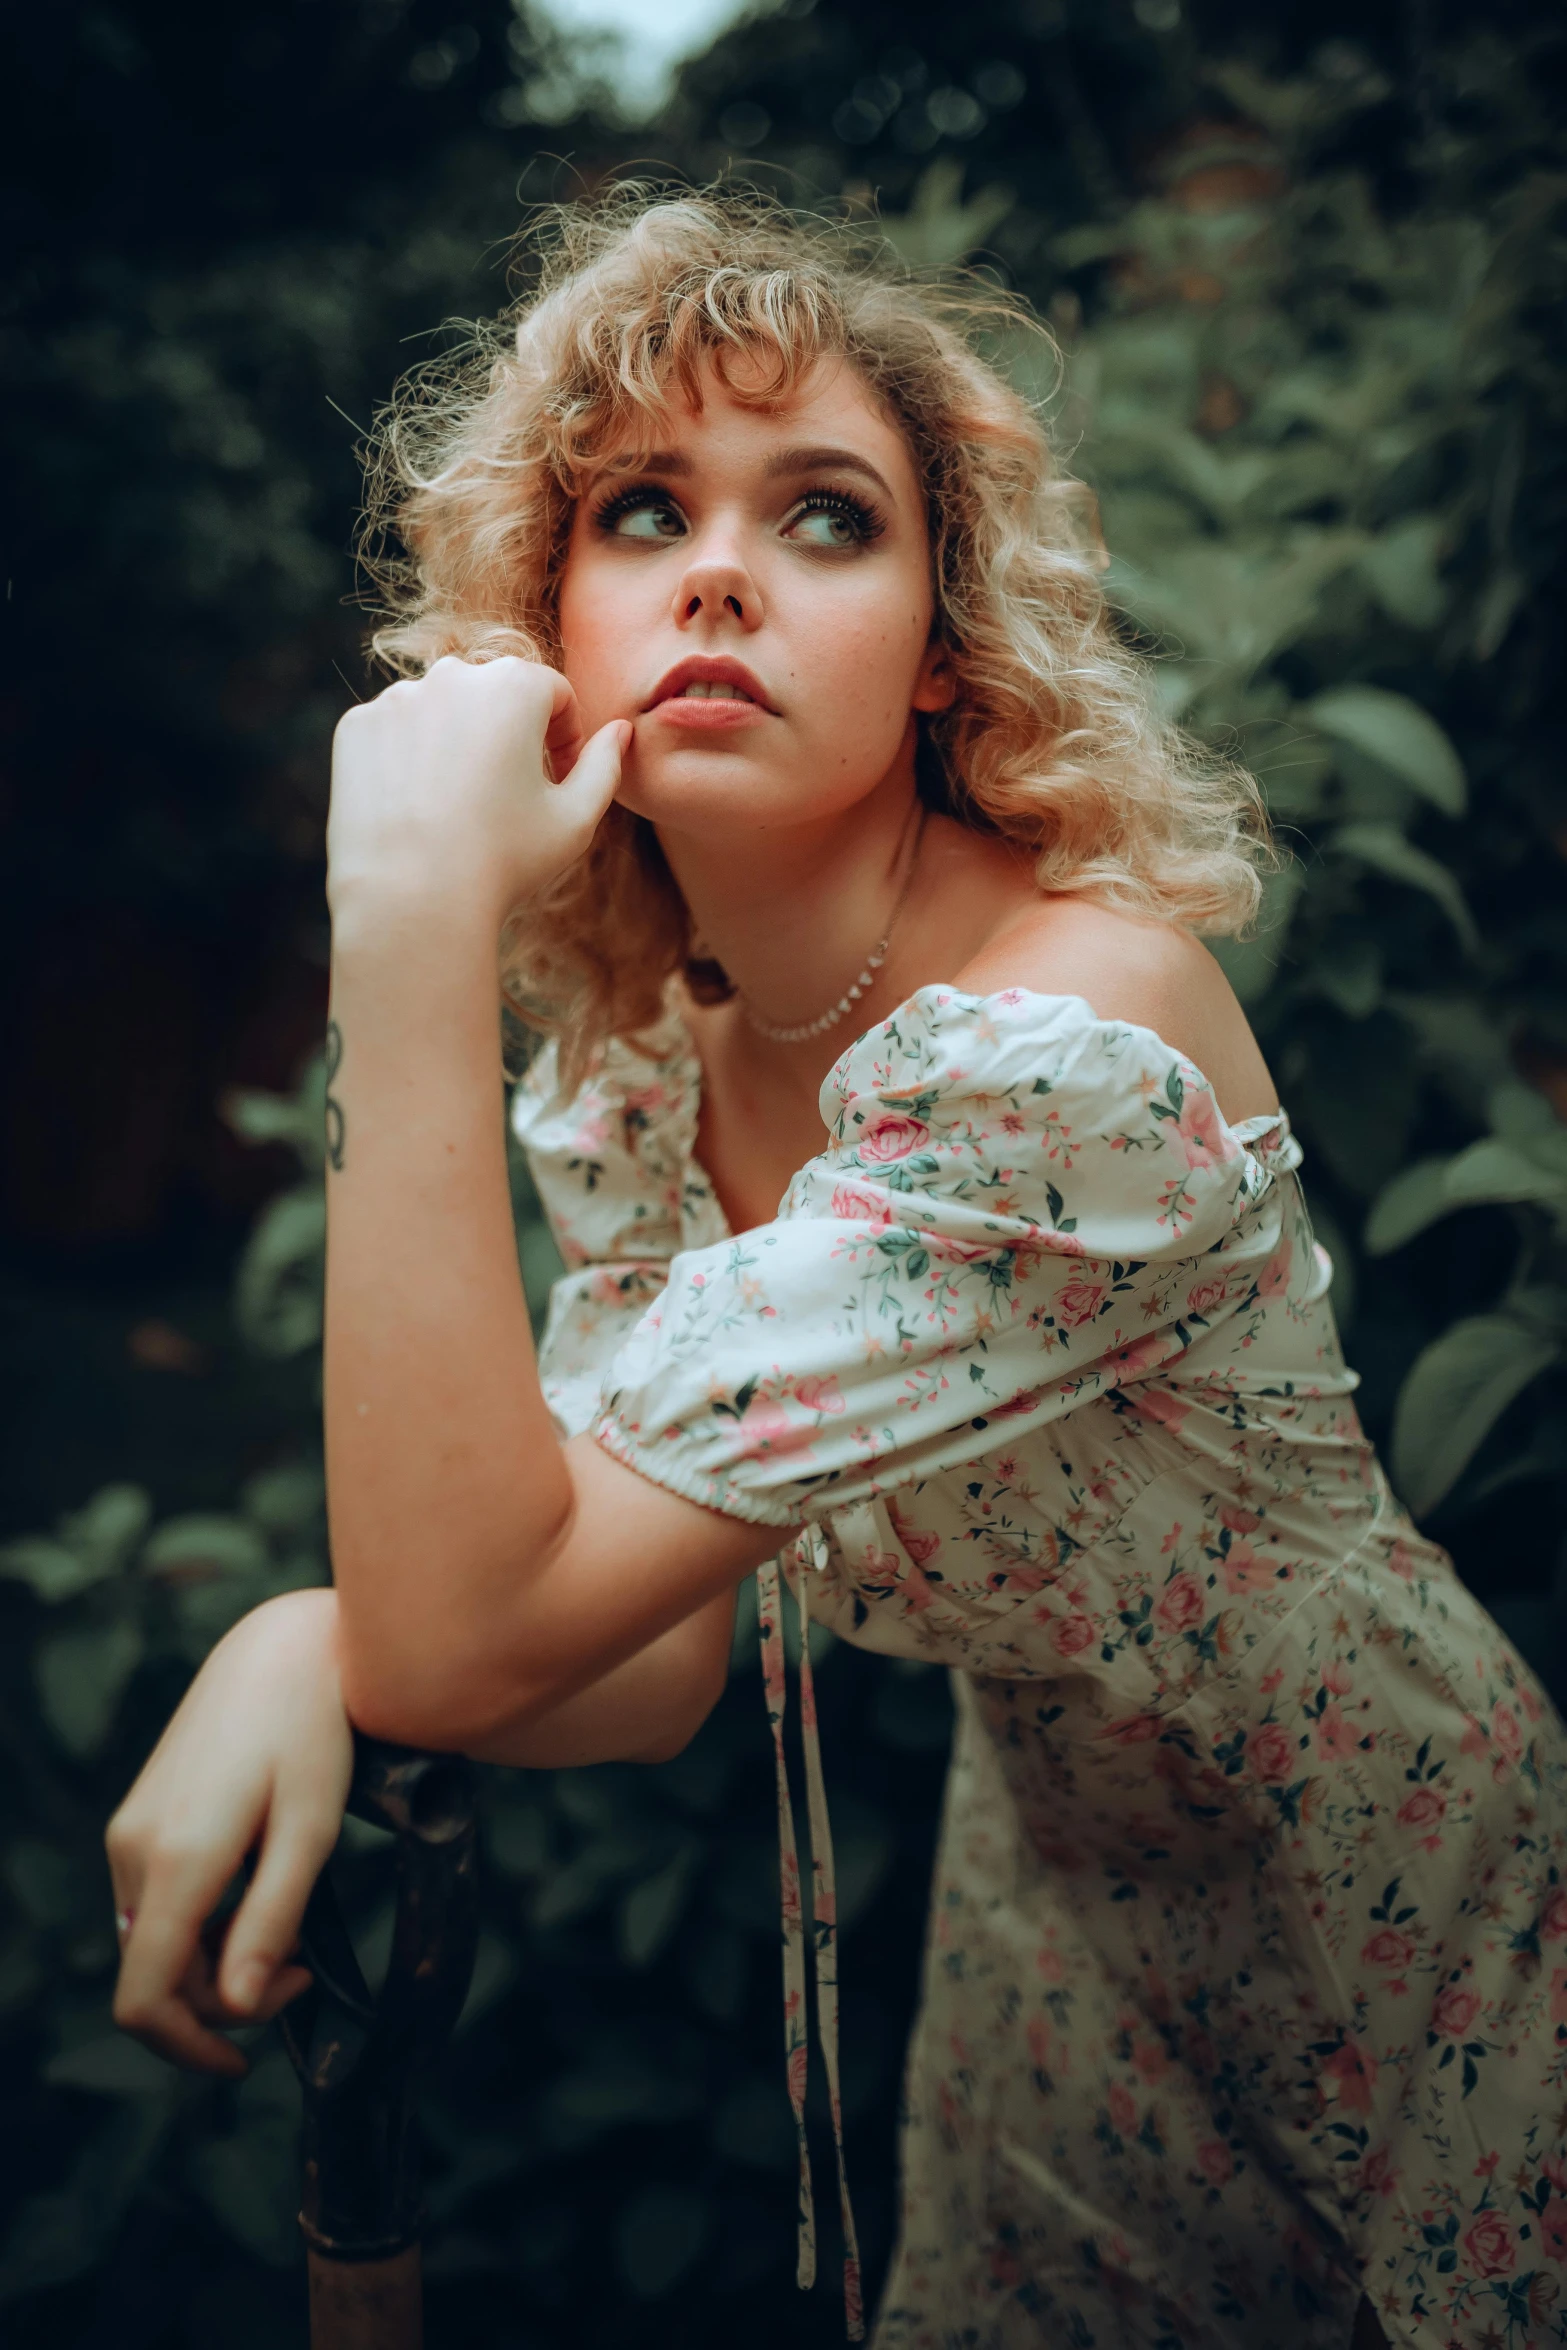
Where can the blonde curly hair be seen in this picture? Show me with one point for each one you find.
(1054, 738)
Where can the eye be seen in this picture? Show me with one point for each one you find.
(832, 518)
(645, 514)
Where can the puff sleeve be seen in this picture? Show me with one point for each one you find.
(1020, 1206)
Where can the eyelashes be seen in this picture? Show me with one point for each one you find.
(857, 516)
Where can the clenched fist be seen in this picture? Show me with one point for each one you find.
(442, 788)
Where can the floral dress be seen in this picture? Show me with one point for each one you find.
(1246, 1983)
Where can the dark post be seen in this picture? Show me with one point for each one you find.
(358, 2056)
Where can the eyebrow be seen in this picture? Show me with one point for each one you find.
(823, 460)
(674, 464)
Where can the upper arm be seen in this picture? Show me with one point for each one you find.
(1127, 967)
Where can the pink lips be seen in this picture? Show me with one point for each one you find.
(670, 702)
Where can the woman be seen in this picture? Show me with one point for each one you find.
(931, 1218)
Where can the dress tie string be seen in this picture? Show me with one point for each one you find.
(824, 1912)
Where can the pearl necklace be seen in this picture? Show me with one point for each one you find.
(866, 979)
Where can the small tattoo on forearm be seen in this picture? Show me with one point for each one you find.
(334, 1108)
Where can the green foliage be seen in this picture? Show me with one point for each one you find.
(1307, 422)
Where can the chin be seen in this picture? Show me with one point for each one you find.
(713, 793)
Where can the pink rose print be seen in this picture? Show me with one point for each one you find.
(1157, 1403)
(1553, 1917)
(964, 1252)
(1135, 1730)
(1379, 2175)
(860, 1207)
(1017, 1404)
(1070, 1635)
(1152, 2060)
(819, 1395)
(889, 1139)
(921, 1547)
(1424, 1809)
(1245, 1570)
(766, 1427)
(1506, 1732)
(1206, 1296)
(1389, 1948)
(1142, 1355)
(1180, 1603)
(1553, 2229)
(1402, 1561)
(1490, 2246)
(1215, 2162)
(1123, 2107)
(1274, 1278)
(1336, 1676)
(1200, 1132)
(1080, 1301)
(1454, 2009)
(1335, 1736)
(1352, 2073)
(1272, 1752)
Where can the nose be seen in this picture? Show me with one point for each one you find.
(715, 586)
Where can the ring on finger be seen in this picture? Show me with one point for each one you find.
(124, 1919)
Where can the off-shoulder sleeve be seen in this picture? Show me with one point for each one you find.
(1020, 1206)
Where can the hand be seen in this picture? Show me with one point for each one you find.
(442, 786)
(259, 1754)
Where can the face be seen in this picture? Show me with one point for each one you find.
(756, 597)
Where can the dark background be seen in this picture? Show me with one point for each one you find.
(1309, 264)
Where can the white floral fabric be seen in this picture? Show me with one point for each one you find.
(1246, 1985)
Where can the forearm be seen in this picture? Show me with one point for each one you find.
(447, 1485)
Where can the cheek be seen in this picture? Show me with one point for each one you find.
(593, 635)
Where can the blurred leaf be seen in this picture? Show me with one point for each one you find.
(81, 1677)
(1387, 852)
(650, 1912)
(1487, 1171)
(939, 228)
(1397, 732)
(1401, 566)
(658, 2236)
(284, 1501)
(90, 1545)
(53, 1572)
(204, 1547)
(1457, 1389)
(277, 1291)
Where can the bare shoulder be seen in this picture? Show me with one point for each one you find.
(1126, 967)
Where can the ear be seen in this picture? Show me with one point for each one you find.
(935, 682)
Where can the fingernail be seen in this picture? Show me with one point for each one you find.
(627, 730)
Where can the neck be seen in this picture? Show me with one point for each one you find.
(792, 912)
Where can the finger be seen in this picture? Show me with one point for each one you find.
(563, 733)
(199, 1989)
(595, 779)
(172, 2029)
(208, 2005)
(265, 1928)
